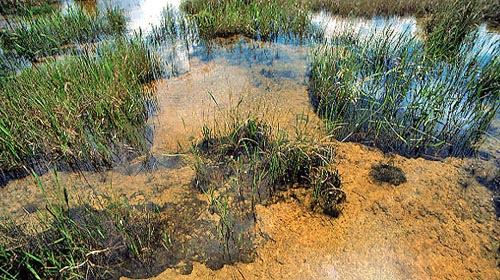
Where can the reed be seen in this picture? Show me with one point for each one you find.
(50, 34)
(78, 108)
(449, 25)
(384, 90)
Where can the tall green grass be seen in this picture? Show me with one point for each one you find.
(79, 108)
(261, 19)
(449, 25)
(385, 90)
(50, 34)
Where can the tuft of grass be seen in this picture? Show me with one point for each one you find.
(384, 90)
(79, 108)
(260, 19)
(263, 160)
(244, 161)
(49, 34)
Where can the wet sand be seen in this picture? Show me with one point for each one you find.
(441, 224)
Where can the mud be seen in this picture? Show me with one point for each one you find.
(430, 227)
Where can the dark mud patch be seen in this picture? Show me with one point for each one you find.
(496, 203)
(387, 173)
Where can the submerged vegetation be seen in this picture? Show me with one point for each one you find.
(50, 34)
(66, 241)
(79, 108)
(382, 89)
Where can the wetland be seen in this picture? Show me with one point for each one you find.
(249, 140)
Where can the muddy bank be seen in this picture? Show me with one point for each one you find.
(441, 224)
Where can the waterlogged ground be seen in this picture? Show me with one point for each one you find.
(440, 224)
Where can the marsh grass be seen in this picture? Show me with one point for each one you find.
(27, 7)
(71, 239)
(243, 161)
(449, 25)
(367, 8)
(82, 108)
(261, 161)
(384, 90)
(50, 34)
(260, 19)
(488, 10)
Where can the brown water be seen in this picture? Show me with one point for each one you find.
(441, 224)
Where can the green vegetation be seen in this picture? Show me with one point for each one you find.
(449, 25)
(367, 8)
(488, 9)
(26, 7)
(253, 161)
(261, 19)
(66, 241)
(79, 108)
(50, 34)
(382, 89)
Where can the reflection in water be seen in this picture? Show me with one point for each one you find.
(335, 25)
(141, 14)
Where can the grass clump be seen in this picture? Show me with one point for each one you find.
(261, 161)
(50, 34)
(261, 19)
(383, 90)
(81, 108)
(66, 241)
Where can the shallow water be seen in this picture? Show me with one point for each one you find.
(441, 224)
